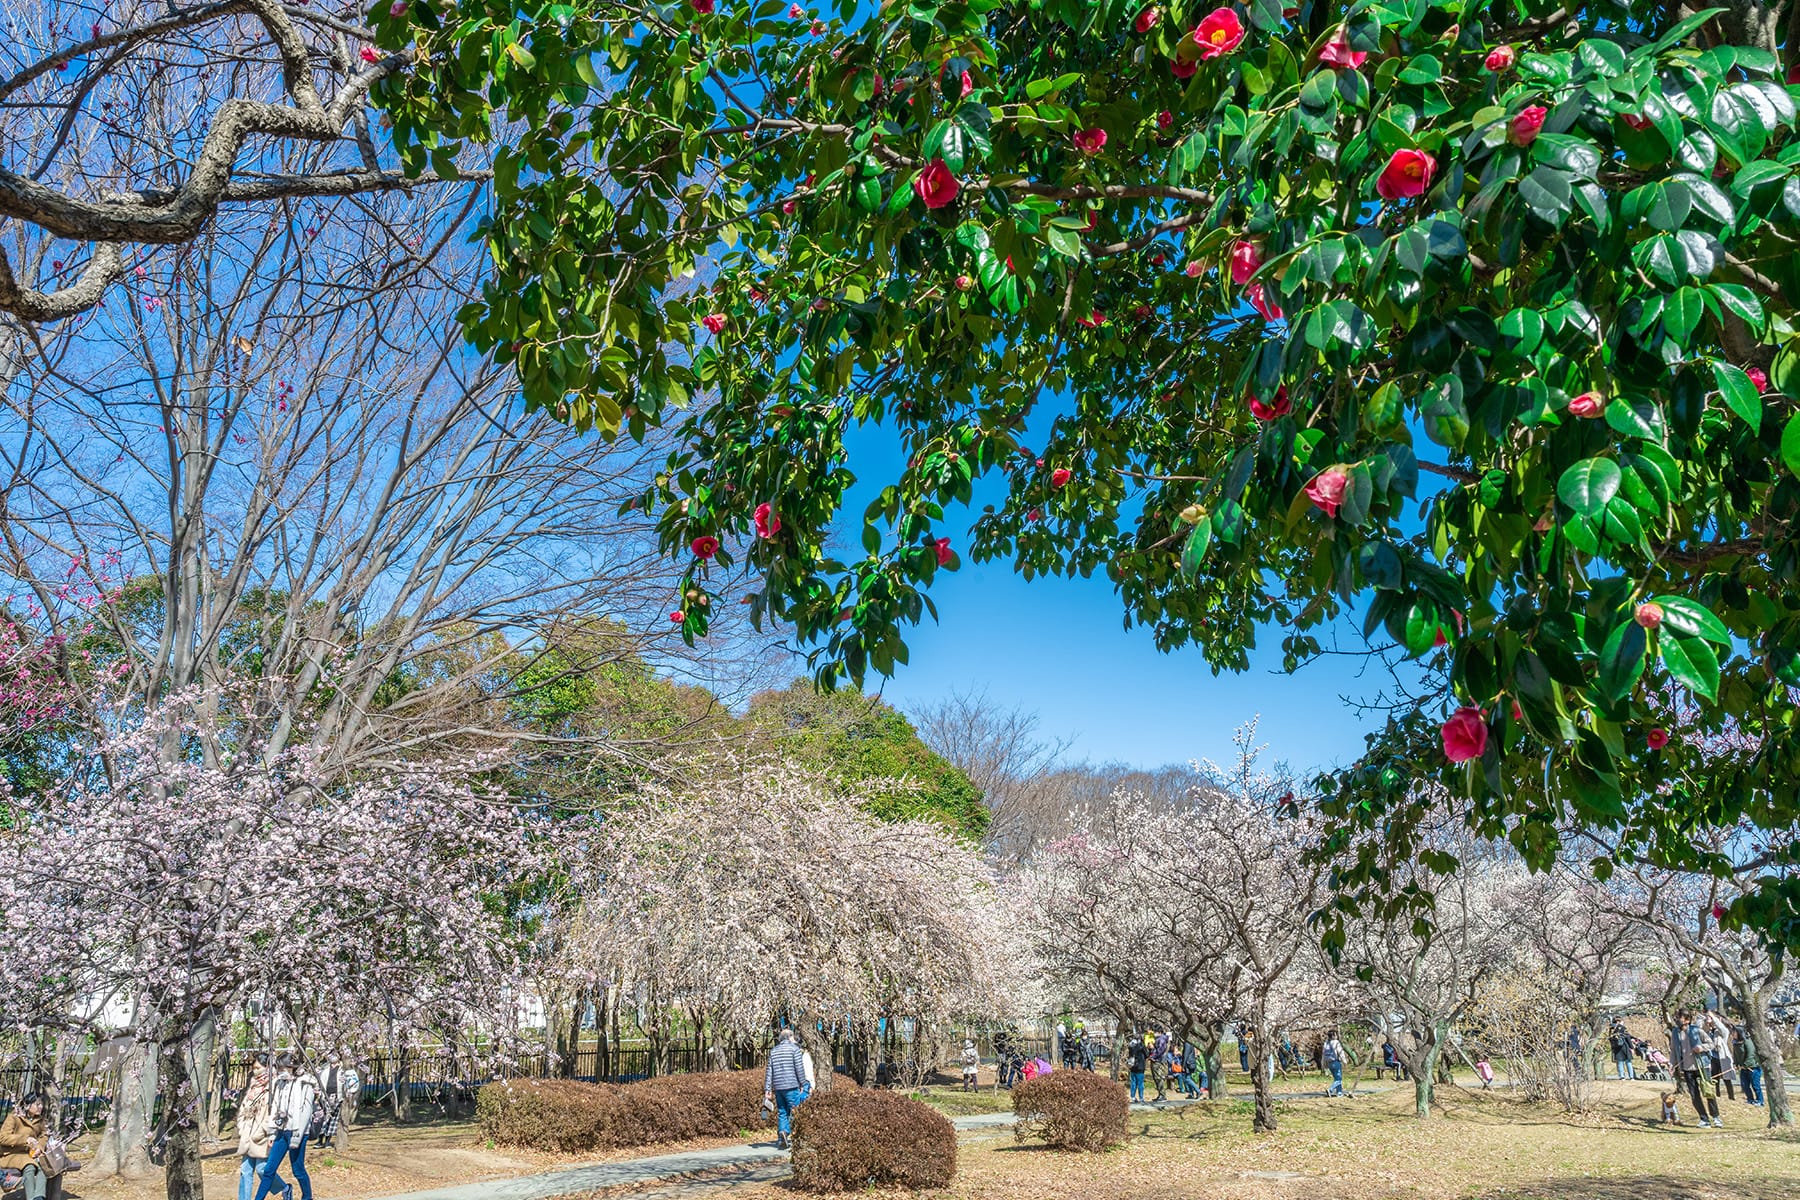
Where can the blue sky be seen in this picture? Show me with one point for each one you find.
(1057, 647)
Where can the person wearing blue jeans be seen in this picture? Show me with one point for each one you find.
(1137, 1060)
(256, 1131)
(291, 1100)
(785, 1083)
(1749, 1065)
(1333, 1056)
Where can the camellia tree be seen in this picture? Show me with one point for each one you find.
(1470, 317)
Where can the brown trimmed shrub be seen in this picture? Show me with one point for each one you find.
(1071, 1110)
(848, 1139)
(564, 1115)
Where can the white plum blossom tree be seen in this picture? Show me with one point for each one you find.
(192, 887)
(765, 894)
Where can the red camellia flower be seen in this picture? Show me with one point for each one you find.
(1523, 129)
(1408, 173)
(1500, 58)
(1059, 477)
(1093, 320)
(397, 9)
(943, 552)
(935, 185)
(1649, 614)
(1036, 514)
(1465, 735)
(676, 618)
(703, 7)
(968, 83)
(1759, 379)
(795, 12)
(1588, 404)
(1637, 121)
(1280, 406)
(1146, 20)
(1091, 141)
(818, 28)
(1193, 269)
(714, 322)
(1246, 260)
(964, 283)
(1259, 300)
(1219, 32)
(370, 54)
(1327, 489)
(704, 546)
(1658, 738)
(767, 523)
(1337, 53)
(1184, 69)
(1164, 119)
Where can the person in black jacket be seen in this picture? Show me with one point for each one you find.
(1137, 1060)
(1621, 1051)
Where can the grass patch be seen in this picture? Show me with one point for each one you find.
(954, 1103)
(1476, 1146)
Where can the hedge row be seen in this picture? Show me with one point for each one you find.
(846, 1140)
(563, 1115)
(1071, 1110)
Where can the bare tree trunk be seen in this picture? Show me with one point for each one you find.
(1424, 1072)
(1264, 1121)
(181, 1130)
(402, 1090)
(1208, 1038)
(199, 1069)
(1768, 1048)
(124, 1144)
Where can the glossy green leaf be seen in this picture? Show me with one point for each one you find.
(1588, 485)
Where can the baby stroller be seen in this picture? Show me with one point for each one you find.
(1656, 1065)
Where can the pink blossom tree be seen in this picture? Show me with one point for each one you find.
(194, 887)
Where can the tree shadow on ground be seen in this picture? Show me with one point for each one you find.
(1645, 1187)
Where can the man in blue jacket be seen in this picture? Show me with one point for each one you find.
(784, 1082)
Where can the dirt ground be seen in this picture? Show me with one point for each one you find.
(384, 1158)
(1480, 1146)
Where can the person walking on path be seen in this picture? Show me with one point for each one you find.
(338, 1086)
(255, 1130)
(1333, 1056)
(1243, 1043)
(1688, 1045)
(971, 1065)
(23, 1143)
(784, 1083)
(1137, 1058)
(292, 1098)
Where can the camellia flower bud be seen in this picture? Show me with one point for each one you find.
(1649, 614)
